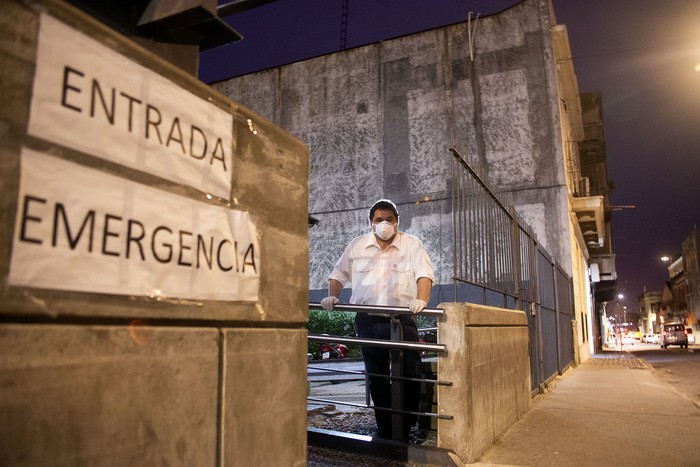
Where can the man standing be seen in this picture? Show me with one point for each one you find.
(390, 268)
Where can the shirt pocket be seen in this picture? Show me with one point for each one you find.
(363, 265)
(401, 276)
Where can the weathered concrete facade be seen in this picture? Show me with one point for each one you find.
(379, 121)
(96, 378)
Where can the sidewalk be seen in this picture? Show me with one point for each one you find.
(611, 410)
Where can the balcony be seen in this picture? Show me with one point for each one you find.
(590, 215)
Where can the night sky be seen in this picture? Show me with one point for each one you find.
(641, 54)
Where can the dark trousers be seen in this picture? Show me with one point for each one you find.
(377, 360)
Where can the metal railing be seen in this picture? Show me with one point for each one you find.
(396, 346)
(496, 252)
(483, 234)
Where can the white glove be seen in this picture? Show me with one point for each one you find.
(416, 305)
(328, 302)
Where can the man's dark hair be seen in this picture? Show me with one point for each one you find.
(383, 204)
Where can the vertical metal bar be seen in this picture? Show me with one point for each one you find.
(503, 256)
(557, 317)
(473, 231)
(510, 261)
(493, 273)
(475, 235)
(484, 241)
(466, 227)
(491, 242)
(515, 256)
(508, 253)
(464, 191)
(367, 398)
(538, 315)
(531, 266)
(514, 260)
(474, 226)
(454, 227)
(482, 249)
(485, 238)
(397, 395)
(493, 236)
(462, 233)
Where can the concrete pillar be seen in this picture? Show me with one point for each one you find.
(488, 363)
(153, 258)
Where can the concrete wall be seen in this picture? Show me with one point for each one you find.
(89, 377)
(488, 363)
(379, 121)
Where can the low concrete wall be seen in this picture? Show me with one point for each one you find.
(110, 395)
(488, 363)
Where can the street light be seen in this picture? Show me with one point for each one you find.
(620, 297)
(620, 323)
(663, 311)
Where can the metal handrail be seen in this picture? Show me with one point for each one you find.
(364, 373)
(382, 343)
(396, 346)
(391, 310)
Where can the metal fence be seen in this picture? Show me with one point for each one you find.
(396, 347)
(498, 253)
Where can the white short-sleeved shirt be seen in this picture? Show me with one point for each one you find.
(386, 277)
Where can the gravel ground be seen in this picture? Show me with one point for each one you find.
(361, 422)
(320, 457)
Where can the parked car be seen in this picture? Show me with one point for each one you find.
(654, 339)
(628, 339)
(673, 334)
(691, 336)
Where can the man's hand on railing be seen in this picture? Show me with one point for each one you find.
(416, 305)
(328, 302)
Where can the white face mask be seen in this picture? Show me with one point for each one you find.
(384, 230)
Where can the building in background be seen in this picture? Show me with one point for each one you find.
(674, 303)
(380, 120)
(650, 307)
(681, 296)
(593, 182)
(691, 266)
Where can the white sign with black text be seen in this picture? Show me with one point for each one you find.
(90, 98)
(84, 230)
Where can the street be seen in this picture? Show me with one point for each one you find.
(335, 386)
(676, 366)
